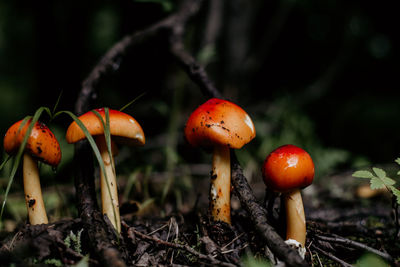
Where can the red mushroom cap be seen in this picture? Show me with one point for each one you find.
(219, 122)
(288, 167)
(41, 144)
(123, 127)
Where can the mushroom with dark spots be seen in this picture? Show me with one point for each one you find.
(40, 147)
(212, 114)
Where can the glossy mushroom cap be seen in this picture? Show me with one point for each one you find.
(123, 127)
(219, 122)
(41, 144)
(288, 167)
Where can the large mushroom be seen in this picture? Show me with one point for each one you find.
(41, 145)
(219, 125)
(124, 129)
(288, 169)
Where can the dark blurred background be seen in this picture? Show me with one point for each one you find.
(319, 74)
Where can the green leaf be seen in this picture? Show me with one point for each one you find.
(397, 161)
(395, 192)
(388, 181)
(21, 149)
(376, 183)
(363, 174)
(379, 172)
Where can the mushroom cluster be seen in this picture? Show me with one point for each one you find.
(217, 125)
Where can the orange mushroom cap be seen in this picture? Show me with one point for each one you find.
(219, 122)
(288, 167)
(41, 144)
(123, 127)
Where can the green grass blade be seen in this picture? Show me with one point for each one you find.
(4, 162)
(107, 136)
(131, 102)
(56, 105)
(107, 133)
(18, 156)
(96, 151)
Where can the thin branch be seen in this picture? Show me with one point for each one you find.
(132, 233)
(355, 244)
(111, 61)
(332, 257)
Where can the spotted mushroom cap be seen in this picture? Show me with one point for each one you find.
(123, 127)
(219, 122)
(41, 144)
(287, 168)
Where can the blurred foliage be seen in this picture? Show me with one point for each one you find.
(371, 260)
(251, 261)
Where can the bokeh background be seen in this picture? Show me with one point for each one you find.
(322, 75)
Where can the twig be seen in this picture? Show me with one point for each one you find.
(111, 61)
(132, 233)
(355, 244)
(195, 71)
(329, 255)
(233, 240)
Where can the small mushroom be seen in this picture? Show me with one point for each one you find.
(42, 145)
(220, 125)
(124, 129)
(288, 169)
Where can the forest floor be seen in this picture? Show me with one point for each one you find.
(342, 229)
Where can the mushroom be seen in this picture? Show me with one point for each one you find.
(124, 129)
(288, 169)
(41, 145)
(219, 125)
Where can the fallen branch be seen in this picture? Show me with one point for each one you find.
(355, 244)
(132, 233)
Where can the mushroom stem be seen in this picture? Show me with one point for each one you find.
(295, 218)
(33, 192)
(109, 194)
(220, 191)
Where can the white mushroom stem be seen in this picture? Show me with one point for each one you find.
(295, 219)
(220, 191)
(109, 194)
(33, 192)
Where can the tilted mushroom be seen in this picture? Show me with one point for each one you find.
(288, 169)
(220, 125)
(41, 145)
(124, 129)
